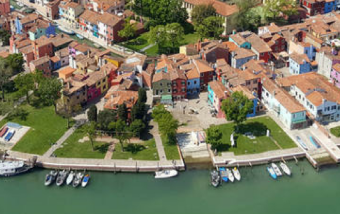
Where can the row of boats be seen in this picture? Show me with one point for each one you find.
(68, 177)
(275, 172)
(225, 175)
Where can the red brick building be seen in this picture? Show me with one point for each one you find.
(4, 7)
(277, 43)
(259, 47)
(52, 9)
(206, 73)
(179, 84)
(42, 47)
(314, 7)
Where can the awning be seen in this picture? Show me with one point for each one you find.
(166, 99)
(299, 121)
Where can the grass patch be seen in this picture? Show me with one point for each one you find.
(171, 150)
(72, 148)
(142, 151)
(261, 143)
(335, 131)
(46, 128)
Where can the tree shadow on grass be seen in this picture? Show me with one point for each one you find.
(256, 128)
(102, 148)
(134, 148)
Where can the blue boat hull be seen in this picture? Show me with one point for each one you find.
(272, 174)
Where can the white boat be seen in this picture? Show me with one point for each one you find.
(85, 180)
(271, 172)
(230, 175)
(50, 177)
(79, 36)
(237, 174)
(61, 177)
(215, 178)
(66, 30)
(276, 170)
(70, 178)
(77, 180)
(11, 168)
(285, 169)
(166, 173)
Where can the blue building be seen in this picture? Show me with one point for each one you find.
(299, 63)
(241, 56)
(330, 5)
(310, 51)
(193, 82)
(239, 40)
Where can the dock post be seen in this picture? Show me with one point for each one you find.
(296, 160)
(115, 169)
(251, 165)
(283, 160)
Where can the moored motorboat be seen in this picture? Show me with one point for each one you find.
(230, 175)
(276, 170)
(86, 180)
(215, 178)
(77, 180)
(237, 174)
(61, 177)
(223, 173)
(271, 172)
(11, 168)
(285, 169)
(50, 177)
(66, 30)
(70, 178)
(314, 142)
(166, 173)
(79, 36)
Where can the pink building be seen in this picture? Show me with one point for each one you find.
(335, 75)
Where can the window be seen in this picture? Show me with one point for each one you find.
(183, 89)
(202, 74)
(247, 82)
(183, 82)
(161, 91)
(254, 81)
(195, 82)
(161, 84)
(188, 83)
(169, 90)
(333, 107)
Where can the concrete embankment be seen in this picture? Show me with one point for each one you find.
(98, 164)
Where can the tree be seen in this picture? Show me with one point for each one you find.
(246, 17)
(137, 127)
(4, 36)
(142, 95)
(25, 83)
(16, 62)
(158, 35)
(5, 73)
(105, 117)
(214, 136)
(168, 127)
(92, 113)
(121, 132)
(162, 11)
(174, 32)
(122, 112)
(49, 92)
(210, 27)
(90, 131)
(274, 9)
(138, 111)
(237, 107)
(158, 112)
(129, 30)
(5, 107)
(201, 12)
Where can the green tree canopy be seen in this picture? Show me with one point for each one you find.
(25, 83)
(129, 30)
(246, 17)
(91, 133)
(214, 136)
(142, 95)
(137, 127)
(49, 92)
(237, 107)
(16, 62)
(174, 32)
(201, 12)
(92, 113)
(158, 35)
(122, 112)
(5, 73)
(138, 111)
(4, 36)
(105, 117)
(210, 27)
(274, 9)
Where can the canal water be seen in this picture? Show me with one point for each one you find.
(190, 192)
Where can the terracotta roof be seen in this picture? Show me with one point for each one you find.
(40, 61)
(258, 44)
(230, 45)
(26, 50)
(73, 5)
(161, 76)
(60, 39)
(90, 16)
(62, 53)
(299, 58)
(109, 19)
(55, 59)
(336, 67)
(116, 98)
(71, 86)
(202, 66)
(193, 74)
(222, 8)
(238, 38)
(177, 74)
(29, 18)
(94, 77)
(287, 101)
(219, 89)
(312, 82)
(4, 54)
(67, 70)
(241, 53)
(244, 90)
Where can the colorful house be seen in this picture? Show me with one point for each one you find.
(179, 84)
(330, 5)
(299, 63)
(335, 75)
(161, 85)
(4, 7)
(277, 43)
(326, 58)
(97, 84)
(43, 64)
(241, 56)
(88, 22)
(42, 47)
(239, 40)
(193, 82)
(217, 92)
(113, 99)
(291, 113)
(259, 47)
(314, 7)
(303, 48)
(23, 24)
(66, 72)
(70, 11)
(108, 27)
(41, 28)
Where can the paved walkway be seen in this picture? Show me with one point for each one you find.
(147, 47)
(109, 153)
(67, 134)
(160, 148)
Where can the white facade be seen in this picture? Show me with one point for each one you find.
(324, 64)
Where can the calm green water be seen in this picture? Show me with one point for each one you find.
(313, 192)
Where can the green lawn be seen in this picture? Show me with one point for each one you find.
(72, 148)
(144, 151)
(46, 128)
(261, 143)
(171, 151)
(336, 131)
(142, 41)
